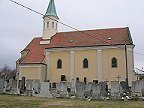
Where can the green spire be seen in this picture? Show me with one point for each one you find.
(51, 10)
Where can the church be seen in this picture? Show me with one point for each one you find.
(86, 56)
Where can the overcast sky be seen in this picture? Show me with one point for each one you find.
(18, 26)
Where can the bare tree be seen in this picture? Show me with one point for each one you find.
(6, 72)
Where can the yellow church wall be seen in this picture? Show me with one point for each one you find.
(32, 72)
(110, 73)
(91, 72)
(55, 74)
(29, 72)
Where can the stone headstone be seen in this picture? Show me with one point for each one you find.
(63, 89)
(36, 86)
(80, 89)
(8, 85)
(45, 90)
(29, 84)
(22, 89)
(29, 87)
(88, 87)
(2, 85)
(96, 91)
(63, 86)
(124, 86)
(14, 83)
(115, 89)
(137, 87)
(103, 88)
(14, 89)
(58, 88)
(69, 87)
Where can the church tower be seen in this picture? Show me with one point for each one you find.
(50, 21)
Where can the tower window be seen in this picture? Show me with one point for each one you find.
(52, 24)
(85, 63)
(56, 25)
(48, 24)
(59, 64)
(114, 62)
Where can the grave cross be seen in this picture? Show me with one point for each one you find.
(118, 77)
(106, 81)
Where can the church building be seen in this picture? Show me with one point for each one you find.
(86, 56)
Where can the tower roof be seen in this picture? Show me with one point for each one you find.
(51, 10)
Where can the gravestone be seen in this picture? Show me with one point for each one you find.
(124, 86)
(22, 89)
(80, 89)
(103, 88)
(29, 84)
(55, 92)
(142, 92)
(69, 85)
(19, 84)
(2, 85)
(96, 91)
(88, 89)
(14, 89)
(63, 89)
(29, 87)
(44, 90)
(58, 88)
(36, 86)
(137, 88)
(8, 85)
(115, 90)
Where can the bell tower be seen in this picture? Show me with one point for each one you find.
(50, 21)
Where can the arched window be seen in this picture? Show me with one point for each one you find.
(114, 62)
(52, 24)
(48, 24)
(59, 64)
(85, 63)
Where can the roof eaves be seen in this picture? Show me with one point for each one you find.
(87, 46)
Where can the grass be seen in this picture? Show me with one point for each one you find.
(13, 101)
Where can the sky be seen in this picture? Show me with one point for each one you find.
(18, 26)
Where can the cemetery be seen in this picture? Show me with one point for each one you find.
(81, 90)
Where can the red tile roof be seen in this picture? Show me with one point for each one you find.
(36, 51)
(98, 37)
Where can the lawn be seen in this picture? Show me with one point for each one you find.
(11, 101)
